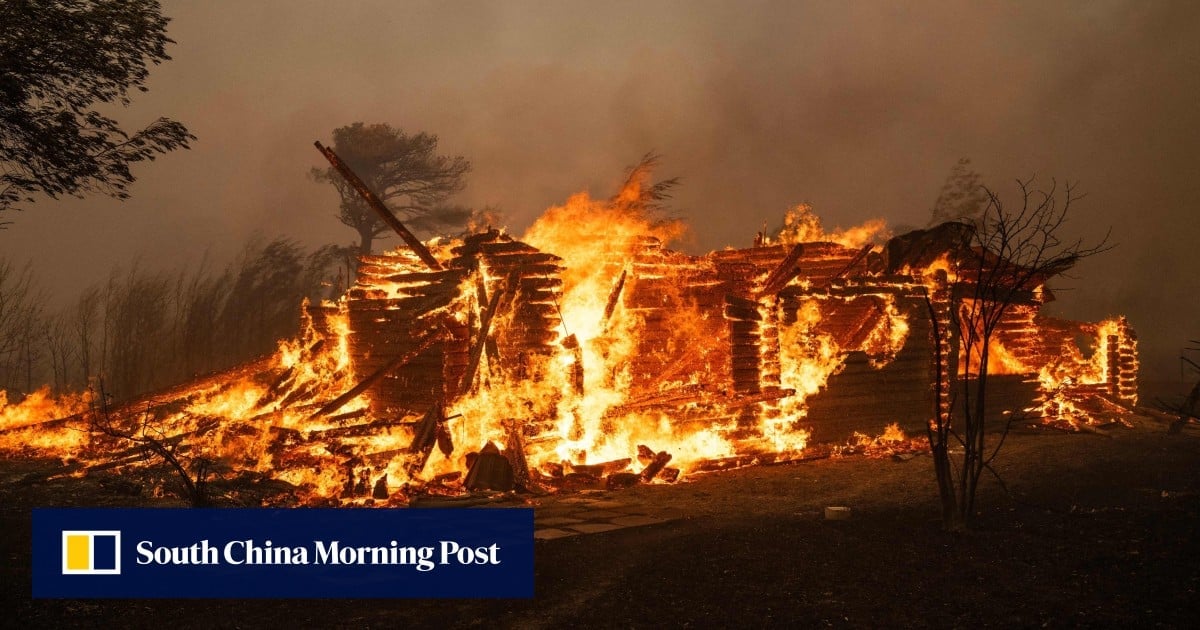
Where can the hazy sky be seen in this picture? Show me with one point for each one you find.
(859, 108)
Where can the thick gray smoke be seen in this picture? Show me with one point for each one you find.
(860, 109)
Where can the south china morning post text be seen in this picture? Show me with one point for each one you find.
(242, 552)
(281, 553)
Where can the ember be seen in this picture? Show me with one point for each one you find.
(567, 359)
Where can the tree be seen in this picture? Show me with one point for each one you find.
(1188, 408)
(962, 196)
(1005, 255)
(404, 171)
(59, 59)
(20, 324)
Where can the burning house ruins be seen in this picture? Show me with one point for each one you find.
(588, 351)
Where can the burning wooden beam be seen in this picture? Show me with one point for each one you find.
(514, 450)
(614, 296)
(430, 430)
(862, 253)
(357, 430)
(673, 397)
(377, 205)
(375, 377)
(602, 469)
(656, 466)
(783, 273)
(485, 329)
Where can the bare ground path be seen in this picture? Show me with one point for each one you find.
(1096, 532)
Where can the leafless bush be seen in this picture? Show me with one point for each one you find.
(1007, 253)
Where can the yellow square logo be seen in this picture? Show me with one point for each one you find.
(91, 552)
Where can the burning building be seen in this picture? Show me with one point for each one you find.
(588, 351)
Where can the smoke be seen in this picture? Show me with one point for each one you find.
(859, 109)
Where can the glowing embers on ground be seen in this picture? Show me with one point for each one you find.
(891, 442)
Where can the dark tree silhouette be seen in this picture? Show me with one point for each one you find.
(143, 330)
(1187, 408)
(1006, 253)
(59, 59)
(404, 171)
(20, 326)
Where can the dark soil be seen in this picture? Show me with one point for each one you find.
(1093, 531)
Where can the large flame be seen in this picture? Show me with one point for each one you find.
(646, 363)
(802, 225)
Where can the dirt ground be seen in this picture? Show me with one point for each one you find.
(1093, 531)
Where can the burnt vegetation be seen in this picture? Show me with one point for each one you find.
(143, 330)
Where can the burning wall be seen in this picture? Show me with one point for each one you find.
(572, 353)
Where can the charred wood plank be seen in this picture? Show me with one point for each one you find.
(485, 326)
(651, 471)
(375, 377)
(514, 451)
(742, 310)
(145, 446)
(670, 398)
(44, 424)
(179, 394)
(619, 480)
(604, 468)
(490, 470)
(862, 253)
(726, 463)
(425, 436)
(277, 388)
(541, 261)
(357, 430)
(572, 343)
(1011, 295)
(783, 273)
(613, 297)
(765, 396)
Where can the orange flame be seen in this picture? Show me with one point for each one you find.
(584, 400)
(802, 225)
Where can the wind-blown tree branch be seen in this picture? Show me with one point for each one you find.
(640, 193)
(59, 60)
(404, 171)
(1006, 256)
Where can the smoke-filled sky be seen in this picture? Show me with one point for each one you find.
(860, 109)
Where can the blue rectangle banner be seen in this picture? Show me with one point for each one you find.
(273, 553)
